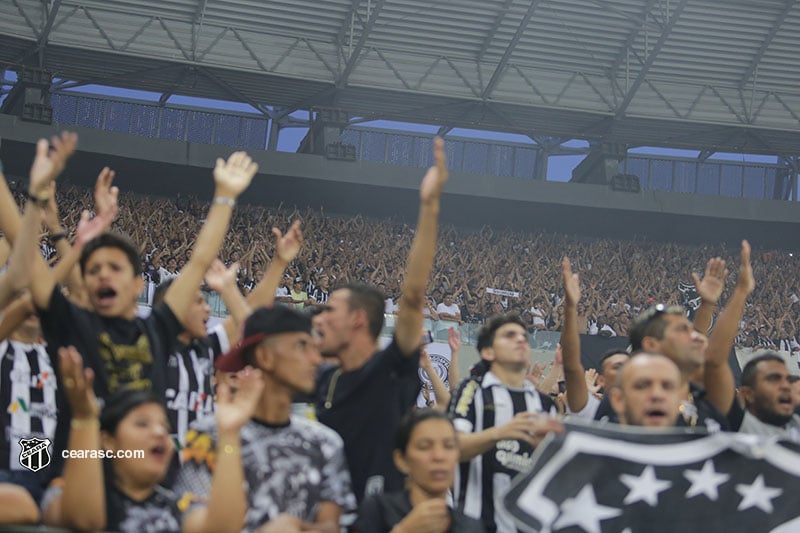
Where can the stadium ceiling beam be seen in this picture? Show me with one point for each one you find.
(705, 154)
(362, 39)
(312, 100)
(233, 91)
(197, 20)
(629, 40)
(501, 13)
(136, 74)
(501, 66)
(651, 58)
(352, 14)
(752, 68)
(444, 130)
(178, 82)
(640, 22)
(43, 35)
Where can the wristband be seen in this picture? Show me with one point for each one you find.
(84, 423)
(229, 449)
(222, 200)
(40, 200)
(55, 237)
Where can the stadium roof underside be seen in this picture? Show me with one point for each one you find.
(707, 74)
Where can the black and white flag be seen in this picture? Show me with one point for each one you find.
(603, 479)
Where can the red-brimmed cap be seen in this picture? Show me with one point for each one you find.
(262, 323)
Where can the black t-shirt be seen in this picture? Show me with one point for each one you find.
(156, 514)
(703, 414)
(365, 407)
(381, 512)
(124, 354)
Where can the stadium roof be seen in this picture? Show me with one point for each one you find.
(707, 74)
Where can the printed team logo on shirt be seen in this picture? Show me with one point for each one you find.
(38, 409)
(35, 453)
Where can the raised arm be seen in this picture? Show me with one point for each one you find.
(286, 249)
(420, 257)
(231, 178)
(719, 382)
(81, 504)
(227, 502)
(577, 391)
(454, 340)
(439, 388)
(709, 289)
(48, 163)
(26, 264)
(18, 275)
(223, 281)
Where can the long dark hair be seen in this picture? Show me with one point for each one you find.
(412, 420)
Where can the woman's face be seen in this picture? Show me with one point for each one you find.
(431, 456)
(144, 428)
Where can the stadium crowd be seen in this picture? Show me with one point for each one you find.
(84, 379)
(621, 278)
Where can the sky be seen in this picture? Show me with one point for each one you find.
(559, 167)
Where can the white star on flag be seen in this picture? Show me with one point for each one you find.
(584, 511)
(757, 495)
(644, 487)
(705, 481)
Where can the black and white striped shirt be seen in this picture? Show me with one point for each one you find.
(479, 404)
(27, 398)
(189, 394)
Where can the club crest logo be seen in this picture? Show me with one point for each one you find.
(35, 453)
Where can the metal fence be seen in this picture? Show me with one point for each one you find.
(505, 159)
(161, 122)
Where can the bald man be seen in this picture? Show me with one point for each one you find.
(649, 391)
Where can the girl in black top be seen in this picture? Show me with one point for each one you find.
(426, 451)
(103, 487)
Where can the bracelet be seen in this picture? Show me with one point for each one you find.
(230, 449)
(222, 200)
(40, 200)
(84, 423)
(55, 237)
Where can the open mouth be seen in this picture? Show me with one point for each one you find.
(655, 415)
(159, 452)
(786, 400)
(105, 296)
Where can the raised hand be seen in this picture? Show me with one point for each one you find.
(77, 382)
(746, 280)
(572, 286)
(713, 283)
(106, 196)
(218, 277)
(49, 163)
(234, 410)
(591, 381)
(535, 373)
(234, 175)
(288, 246)
(436, 177)
(454, 340)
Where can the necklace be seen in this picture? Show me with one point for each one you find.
(332, 388)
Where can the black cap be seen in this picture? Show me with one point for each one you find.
(262, 323)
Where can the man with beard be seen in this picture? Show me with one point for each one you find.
(767, 393)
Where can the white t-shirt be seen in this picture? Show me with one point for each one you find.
(449, 309)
